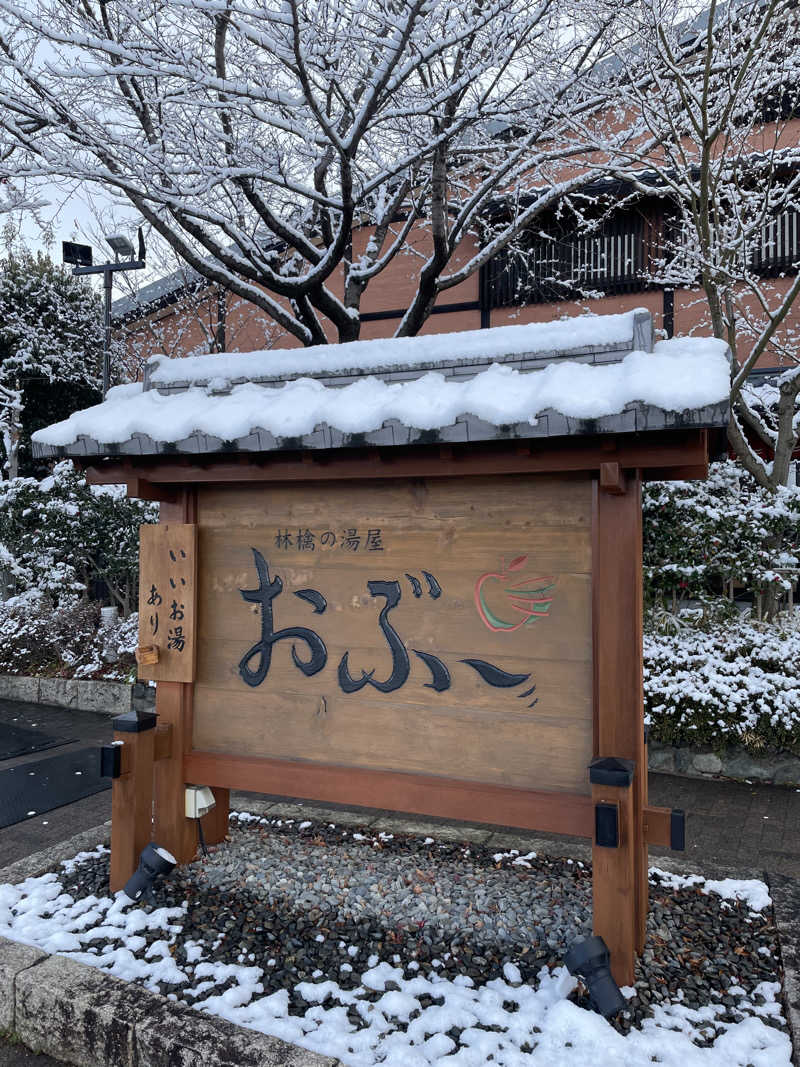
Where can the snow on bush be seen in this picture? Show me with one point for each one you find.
(701, 535)
(40, 637)
(59, 535)
(732, 684)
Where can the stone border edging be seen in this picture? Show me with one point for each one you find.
(80, 1015)
(106, 698)
(702, 761)
(785, 894)
(83, 1016)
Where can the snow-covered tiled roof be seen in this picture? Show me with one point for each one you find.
(584, 375)
(589, 339)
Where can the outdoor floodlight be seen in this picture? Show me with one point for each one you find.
(120, 245)
(589, 958)
(152, 862)
(77, 255)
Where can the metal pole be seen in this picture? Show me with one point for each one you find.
(108, 277)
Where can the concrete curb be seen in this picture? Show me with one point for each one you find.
(107, 698)
(785, 894)
(82, 1016)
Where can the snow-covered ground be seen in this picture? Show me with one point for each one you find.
(405, 1018)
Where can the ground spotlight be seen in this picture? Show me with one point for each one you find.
(589, 958)
(153, 861)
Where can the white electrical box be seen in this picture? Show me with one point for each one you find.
(199, 801)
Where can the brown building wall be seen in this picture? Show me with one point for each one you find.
(177, 330)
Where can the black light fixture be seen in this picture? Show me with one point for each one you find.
(80, 256)
(120, 245)
(154, 861)
(75, 254)
(589, 958)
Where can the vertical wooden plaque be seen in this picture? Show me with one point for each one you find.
(167, 602)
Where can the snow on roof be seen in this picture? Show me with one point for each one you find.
(681, 382)
(606, 336)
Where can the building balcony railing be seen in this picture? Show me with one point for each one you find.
(620, 258)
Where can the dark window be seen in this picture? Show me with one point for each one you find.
(612, 259)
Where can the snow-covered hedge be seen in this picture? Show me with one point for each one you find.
(59, 535)
(700, 536)
(735, 684)
(66, 640)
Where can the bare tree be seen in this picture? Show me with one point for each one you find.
(711, 102)
(259, 138)
(185, 315)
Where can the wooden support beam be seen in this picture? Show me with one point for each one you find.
(172, 830)
(612, 479)
(418, 794)
(131, 795)
(617, 655)
(143, 489)
(163, 742)
(614, 890)
(665, 827)
(215, 824)
(660, 454)
(657, 826)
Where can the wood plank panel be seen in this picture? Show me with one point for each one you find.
(485, 743)
(460, 555)
(556, 813)
(167, 600)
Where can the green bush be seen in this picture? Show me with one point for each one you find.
(60, 535)
(700, 536)
(41, 637)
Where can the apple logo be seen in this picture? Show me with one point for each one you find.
(529, 597)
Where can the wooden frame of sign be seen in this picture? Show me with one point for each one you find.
(468, 658)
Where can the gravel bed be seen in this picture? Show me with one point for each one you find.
(307, 903)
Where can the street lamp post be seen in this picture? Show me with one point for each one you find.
(80, 258)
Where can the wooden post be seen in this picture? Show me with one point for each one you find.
(132, 795)
(173, 830)
(619, 704)
(614, 863)
(215, 824)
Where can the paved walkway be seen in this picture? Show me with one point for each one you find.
(729, 824)
(736, 825)
(48, 828)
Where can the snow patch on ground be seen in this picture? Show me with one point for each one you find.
(751, 890)
(502, 1021)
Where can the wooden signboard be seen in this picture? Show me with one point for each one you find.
(168, 578)
(462, 643)
(438, 627)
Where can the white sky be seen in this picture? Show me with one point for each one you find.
(73, 213)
